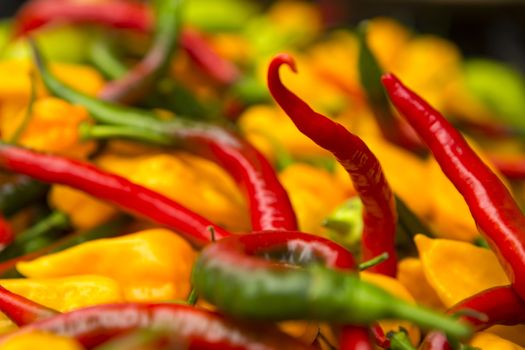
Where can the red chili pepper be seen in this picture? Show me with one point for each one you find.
(496, 213)
(355, 338)
(270, 206)
(435, 341)
(201, 329)
(109, 187)
(22, 311)
(379, 214)
(115, 13)
(207, 59)
(127, 15)
(6, 233)
(500, 305)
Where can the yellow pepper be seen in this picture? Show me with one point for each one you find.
(489, 341)
(397, 289)
(84, 211)
(64, 293)
(456, 270)
(149, 265)
(36, 340)
(314, 194)
(213, 193)
(15, 81)
(53, 127)
(263, 125)
(410, 273)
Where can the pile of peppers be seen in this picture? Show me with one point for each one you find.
(165, 184)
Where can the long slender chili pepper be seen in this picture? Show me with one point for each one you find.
(199, 328)
(109, 187)
(393, 129)
(129, 15)
(234, 276)
(22, 311)
(115, 13)
(500, 305)
(379, 214)
(207, 59)
(142, 76)
(496, 213)
(270, 207)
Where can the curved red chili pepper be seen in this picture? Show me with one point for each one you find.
(379, 213)
(201, 329)
(501, 306)
(496, 213)
(109, 187)
(22, 311)
(270, 206)
(115, 13)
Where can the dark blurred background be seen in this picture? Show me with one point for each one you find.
(491, 28)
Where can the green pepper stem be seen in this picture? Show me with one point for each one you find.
(57, 220)
(429, 319)
(103, 58)
(400, 341)
(101, 132)
(373, 262)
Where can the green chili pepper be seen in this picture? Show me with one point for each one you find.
(256, 289)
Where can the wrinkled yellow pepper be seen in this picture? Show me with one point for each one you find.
(314, 194)
(149, 265)
(213, 193)
(63, 293)
(397, 289)
(456, 270)
(52, 127)
(489, 341)
(36, 340)
(410, 273)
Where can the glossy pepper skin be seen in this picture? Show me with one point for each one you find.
(500, 305)
(379, 214)
(225, 270)
(496, 213)
(94, 325)
(270, 207)
(110, 187)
